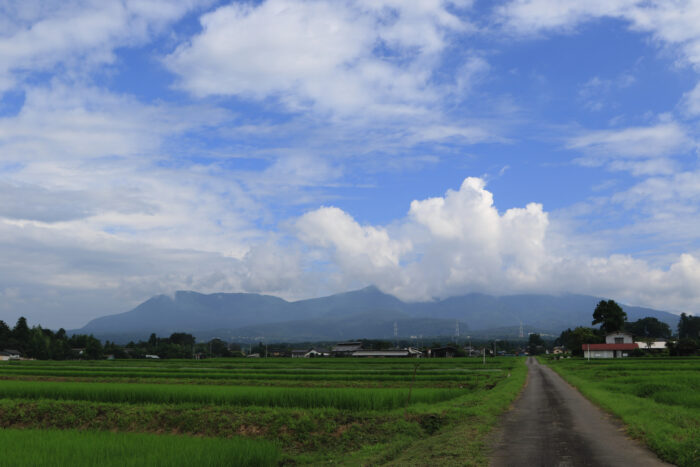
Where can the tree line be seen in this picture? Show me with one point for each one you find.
(45, 344)
(612, 318)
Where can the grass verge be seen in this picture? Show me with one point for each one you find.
(639, 395)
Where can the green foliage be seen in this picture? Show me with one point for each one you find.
(649, 328)
(689, 326)
(685, 346)
(535, 344)
(610, 316)
(574, 339)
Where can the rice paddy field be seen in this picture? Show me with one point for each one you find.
(657, 398)
(276, 411)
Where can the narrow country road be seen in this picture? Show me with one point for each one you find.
(552, 424)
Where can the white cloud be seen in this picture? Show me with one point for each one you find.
(655, 141)
(78, 34)
(361, 250)
(460, 243)
(691, 101)
(641, 150)
(347, 57)
(533, 16)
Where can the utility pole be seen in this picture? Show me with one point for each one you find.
(396, 334)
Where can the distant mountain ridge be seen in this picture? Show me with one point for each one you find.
(365, 313)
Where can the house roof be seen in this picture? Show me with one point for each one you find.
(347, 347)
(609, 346)
(381, 353)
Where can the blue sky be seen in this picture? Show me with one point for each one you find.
(300, 148)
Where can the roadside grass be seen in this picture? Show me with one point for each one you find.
(83, 448)
(657, 399)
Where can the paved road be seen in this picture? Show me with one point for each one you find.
(552, 424)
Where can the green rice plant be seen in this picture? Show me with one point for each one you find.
(341, 398)
(81, 448)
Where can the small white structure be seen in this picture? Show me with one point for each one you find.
(619, 338)
(8, 354)
(656, 345)
(310, 353)
(155, 357)
(617, 345)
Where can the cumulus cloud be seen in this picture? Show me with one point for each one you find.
(461, 243)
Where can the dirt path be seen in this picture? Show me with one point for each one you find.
(552, 424)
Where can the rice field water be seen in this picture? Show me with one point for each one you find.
(266, 412)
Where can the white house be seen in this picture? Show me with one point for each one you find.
(617, 345)
(8, 354)
(619, 338)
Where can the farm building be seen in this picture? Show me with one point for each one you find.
(442, 352)
(655, 346)
(617, 345)
(345, 349)
(311, 353)
(9, 354)
(404, 353)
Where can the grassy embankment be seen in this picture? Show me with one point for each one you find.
(322, 411)
(657, 398)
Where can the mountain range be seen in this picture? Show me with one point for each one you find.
(366, 313)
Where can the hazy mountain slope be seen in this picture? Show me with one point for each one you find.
(191, 312)
(361, 313)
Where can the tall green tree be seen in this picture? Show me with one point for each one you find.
(5, 335)
(610, 316)
(689, 326)
(20, 334)
(649, 327)
(572, 340)
(93, 348)
(535, 344)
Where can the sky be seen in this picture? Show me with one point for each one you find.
(300, 148)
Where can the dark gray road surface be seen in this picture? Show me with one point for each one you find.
(552, 424)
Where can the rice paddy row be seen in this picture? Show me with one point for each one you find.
(320, 411)
(77, 448)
